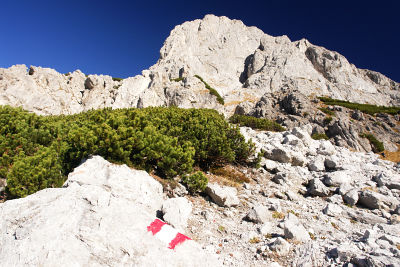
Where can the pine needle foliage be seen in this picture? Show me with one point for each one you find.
(319, 136)
(177, 79)
(256, 123)
(377, 146)
(365, 108)
(196, 182)
(37, 152)
(327, 111)
(212, 90)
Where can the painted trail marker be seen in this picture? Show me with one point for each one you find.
(166, 233)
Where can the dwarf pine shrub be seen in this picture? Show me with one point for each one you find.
(256, 123)
(377, 146)
(211, 90)
(196, 182)
(37, 152)
(327, 120)
(327, 111)
(319, 136)
(365, 108)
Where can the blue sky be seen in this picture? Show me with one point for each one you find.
(121, 38)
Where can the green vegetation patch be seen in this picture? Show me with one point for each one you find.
(256, 123)
(196, 182)
(117, 79)
(177, 79)
(231, 174)
(365, 108)
(377, 146)
(328, 119)
(212, 90)
(327, 111)
(319, 136)
(37, 152)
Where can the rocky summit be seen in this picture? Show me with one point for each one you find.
(319, 197)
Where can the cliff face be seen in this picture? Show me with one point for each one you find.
(241, 63)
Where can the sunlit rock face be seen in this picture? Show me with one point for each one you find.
(242, 63)
(99, 218)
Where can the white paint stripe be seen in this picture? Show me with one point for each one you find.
(167, 233)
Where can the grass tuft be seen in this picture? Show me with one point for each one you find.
(231, 174)
(327, 119)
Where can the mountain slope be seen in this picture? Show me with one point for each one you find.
(225, 65)
(241, 63)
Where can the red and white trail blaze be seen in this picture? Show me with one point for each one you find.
(166, 233)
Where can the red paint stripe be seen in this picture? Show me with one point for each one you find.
(179, 238)
(155, 226)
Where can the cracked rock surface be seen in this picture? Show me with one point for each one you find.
(99, 218)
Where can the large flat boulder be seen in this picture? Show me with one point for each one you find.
(100, 217)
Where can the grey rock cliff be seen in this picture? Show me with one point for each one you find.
(241, 63)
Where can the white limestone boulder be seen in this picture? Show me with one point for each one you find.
(100, 217)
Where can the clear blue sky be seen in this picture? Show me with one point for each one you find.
(121, 38)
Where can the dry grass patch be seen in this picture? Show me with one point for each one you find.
(250, 98)
(334, 225)
(254, 240)
(167, 184)
(232, 103)
(369, 188)
(278, 215)
(312, 236)
(392, 156)
(216, 179)
(231, 173)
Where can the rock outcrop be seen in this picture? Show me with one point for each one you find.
(99, 218)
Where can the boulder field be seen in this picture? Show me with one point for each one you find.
(315, 204)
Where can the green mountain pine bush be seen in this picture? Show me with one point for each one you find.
(211, 90)
(37, 152)
(365, 108)
(377, 146)
(196, 182)
(256, 123)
